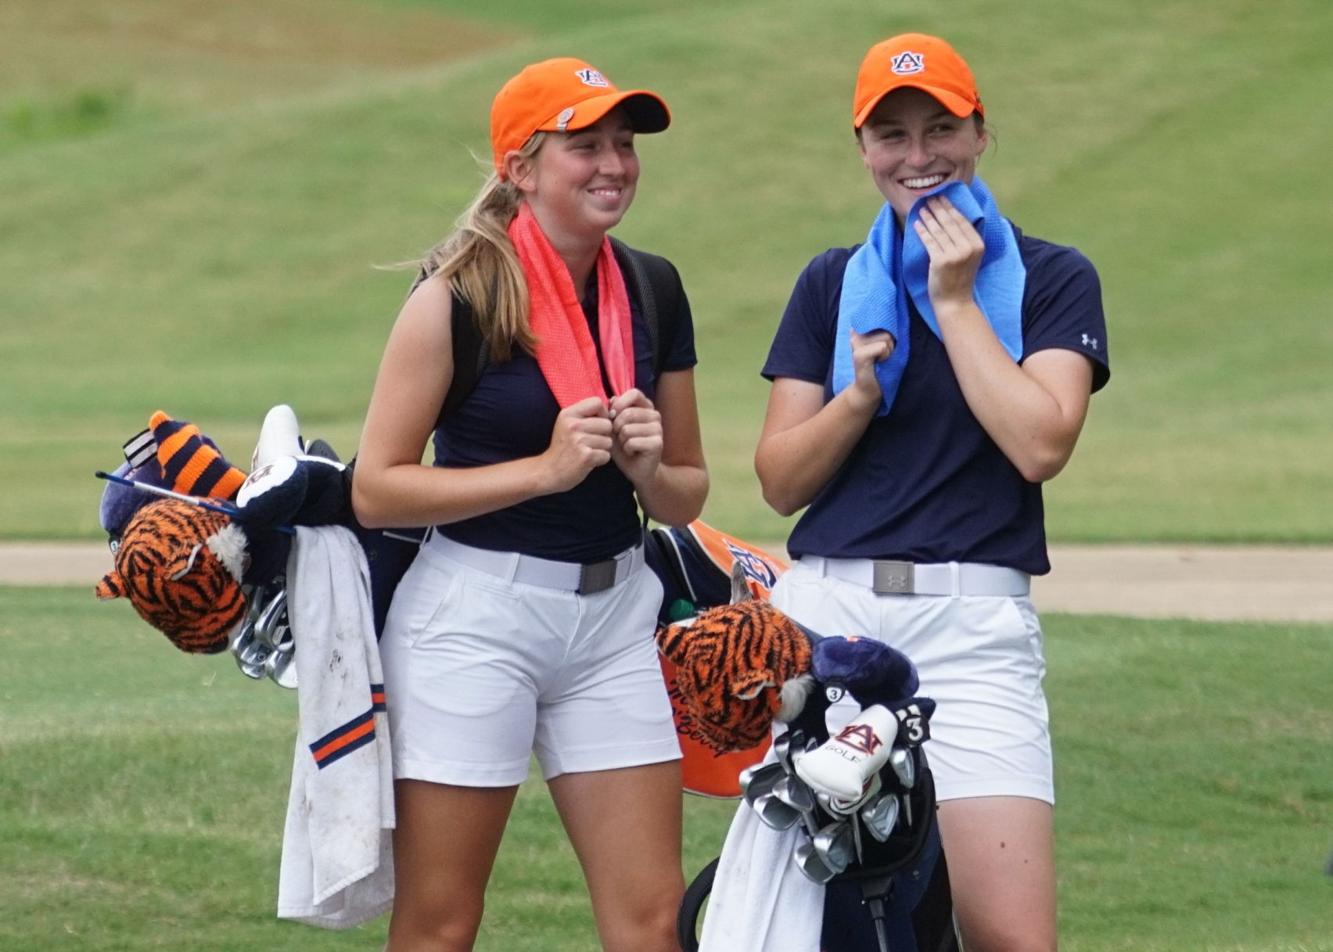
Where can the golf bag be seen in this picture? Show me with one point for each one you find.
(896, 895)
(886, 881)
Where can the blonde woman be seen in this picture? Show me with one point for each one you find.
(525, 624)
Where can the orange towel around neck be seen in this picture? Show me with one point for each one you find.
(565, 350)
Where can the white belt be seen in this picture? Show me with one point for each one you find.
(885, 577)
(583, 578)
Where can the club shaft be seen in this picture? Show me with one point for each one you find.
(163, 491)
(215, 506)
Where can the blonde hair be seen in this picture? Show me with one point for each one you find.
(480, 262)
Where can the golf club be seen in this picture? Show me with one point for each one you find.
(880, 816)
(791, 791)
(272, 620)
(811, 864)
(774, 813)
(835, 845)
(758, 779)
(278, 665)
(904, 767)
(214, 505)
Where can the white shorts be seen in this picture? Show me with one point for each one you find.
(979, 657)
(482, 671)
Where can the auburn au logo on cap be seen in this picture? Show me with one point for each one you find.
(564, 95)
(906, 63)
(915, 61)
(591, 77)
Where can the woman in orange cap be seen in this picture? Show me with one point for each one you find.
(925, 384)
(525, 623)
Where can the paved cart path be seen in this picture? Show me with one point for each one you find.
(1245, 583)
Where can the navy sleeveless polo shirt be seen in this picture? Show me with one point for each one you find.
(926, 483)
(509, 415)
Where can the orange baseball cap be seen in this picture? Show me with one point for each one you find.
(564, 95)
(917, 61)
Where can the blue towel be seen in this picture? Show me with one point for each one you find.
(893, 263)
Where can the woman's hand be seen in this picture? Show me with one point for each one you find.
(867, 351)
(1034, 412)
(636, 429)
(581, 440)
(955, 249)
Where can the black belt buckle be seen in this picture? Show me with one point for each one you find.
(596, 577)
(893, 578)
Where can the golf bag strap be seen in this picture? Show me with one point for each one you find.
(655, 282)
(471, 354)
(470, 350)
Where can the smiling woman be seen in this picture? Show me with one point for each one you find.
(525, 624)
(912, 144)
(925, 384)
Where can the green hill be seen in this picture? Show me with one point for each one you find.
(198, 199)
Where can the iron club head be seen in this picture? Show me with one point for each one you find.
(881, 816)
(811, 864)
(793, 791)
(835, 845)
(249, 654)
(272, 621)
(774, 813)
(758, 779)
(904, 767)
(279, 666)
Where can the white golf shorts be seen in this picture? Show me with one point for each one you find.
(979, 657)
(482, 671)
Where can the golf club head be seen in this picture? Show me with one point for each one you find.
(782, 750)
(881, 816)
(774, 813)
(279, 666)
(793, 792)
(758, 779)
(811, 864)
(249, 655)
(272, 621)
(835, 845)
(904, 767)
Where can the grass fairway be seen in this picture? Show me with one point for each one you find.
(142, 794)
(197, 197)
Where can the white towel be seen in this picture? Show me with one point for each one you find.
(337, 860)
(761, 901)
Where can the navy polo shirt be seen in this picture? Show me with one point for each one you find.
(509, 415)
(926, 483)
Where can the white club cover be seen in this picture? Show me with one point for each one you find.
(280, 435)
(843, 764)
(275, 465)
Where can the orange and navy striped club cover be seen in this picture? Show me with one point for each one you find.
(189, 465)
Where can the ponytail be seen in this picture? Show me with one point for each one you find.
(480, 263)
